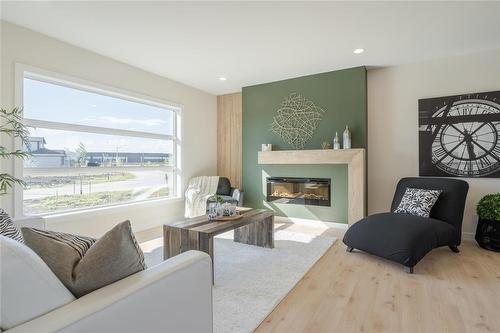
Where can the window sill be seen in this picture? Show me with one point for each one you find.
(107, 209)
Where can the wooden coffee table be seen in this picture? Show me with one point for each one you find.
(256, 227)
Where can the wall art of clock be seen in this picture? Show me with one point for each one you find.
(459, 136)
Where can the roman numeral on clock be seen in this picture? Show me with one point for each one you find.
(496, 152)
(485, 162)
(439, 153)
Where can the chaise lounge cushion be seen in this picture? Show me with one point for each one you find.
(402, 238)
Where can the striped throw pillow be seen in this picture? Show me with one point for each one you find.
(8, 228)
(80, 244)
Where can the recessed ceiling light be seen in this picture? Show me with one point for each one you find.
(222, 78)
(358, 51)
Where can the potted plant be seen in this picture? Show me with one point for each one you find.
(488, 227)
(12, 126)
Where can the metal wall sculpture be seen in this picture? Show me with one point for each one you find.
(459, 136)
(296, 120)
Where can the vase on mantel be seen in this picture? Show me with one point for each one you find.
(336, 141)
(346, 142)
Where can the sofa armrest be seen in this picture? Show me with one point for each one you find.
(237, 194)
(173, 296)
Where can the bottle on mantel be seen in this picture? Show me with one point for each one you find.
(346, 138)
(336, 141)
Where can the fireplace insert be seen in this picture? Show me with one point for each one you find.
(299, 191)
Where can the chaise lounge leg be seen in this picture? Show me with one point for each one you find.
(454, 249)
(349, 249)
(408, 270)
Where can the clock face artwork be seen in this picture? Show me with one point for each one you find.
(459, 136)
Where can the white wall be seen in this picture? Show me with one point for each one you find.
(19, 45)
(393, 95)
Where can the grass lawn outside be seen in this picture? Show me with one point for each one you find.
(57, 181)
(65, 202)
(114, 177)
(163, 192)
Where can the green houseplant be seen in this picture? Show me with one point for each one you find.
(12, 126)
(488, 227)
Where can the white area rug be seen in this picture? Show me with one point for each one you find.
(250, 281)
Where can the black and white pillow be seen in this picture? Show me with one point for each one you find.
(418, 201)
(8, 228)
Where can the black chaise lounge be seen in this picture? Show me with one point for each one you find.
(406, 238)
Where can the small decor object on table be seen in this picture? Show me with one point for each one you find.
(228, 218)
(325, 145)
(346, 138)
(488, 226)
(220, 210)
(215, 209)
(212, 210)
(336, 141)
(229, 209)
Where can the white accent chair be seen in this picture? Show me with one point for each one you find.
(173, 296)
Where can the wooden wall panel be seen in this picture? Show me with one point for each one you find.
(229, 137)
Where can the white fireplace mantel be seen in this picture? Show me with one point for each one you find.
(356, 166)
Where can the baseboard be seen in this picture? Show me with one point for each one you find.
(468, 235)
(311, 222)
(336, 225)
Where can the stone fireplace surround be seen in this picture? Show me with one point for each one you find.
(356, 165)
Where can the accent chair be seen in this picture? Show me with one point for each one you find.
(405, 238)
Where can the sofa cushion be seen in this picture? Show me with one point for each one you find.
(28, 287)
(83, 264)
(8, 228)
(402, 238)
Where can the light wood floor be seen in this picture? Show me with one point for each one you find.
(356, 292)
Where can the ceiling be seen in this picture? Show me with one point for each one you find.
(255, 42)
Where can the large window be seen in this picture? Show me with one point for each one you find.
(92, 148)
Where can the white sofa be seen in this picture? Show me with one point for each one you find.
(174, 296)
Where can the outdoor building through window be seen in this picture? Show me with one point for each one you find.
(91, 148)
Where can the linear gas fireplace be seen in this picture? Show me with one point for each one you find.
(299, 191)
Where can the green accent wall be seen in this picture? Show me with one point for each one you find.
(342, 94)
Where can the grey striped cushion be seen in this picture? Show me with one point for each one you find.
(78, 243)
(8, 228)
(85, 264)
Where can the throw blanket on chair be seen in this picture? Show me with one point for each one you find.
(198, 191)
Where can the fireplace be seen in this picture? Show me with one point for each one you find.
(299, 191)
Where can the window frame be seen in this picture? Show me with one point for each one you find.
(25, 71)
